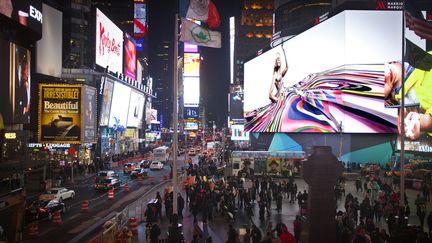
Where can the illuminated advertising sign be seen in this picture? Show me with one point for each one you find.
(191, 88)
(191, 112)
(15, 79)
(191, 126)
(417, 80)
(190, 47)
(329, 78)
(136, 109)
(238, 133)
(25, 12)
(60, 113)
(108, 87)
(236, 102)
(154, 115)
(89, 114)
(191, 64)
(119, 106)
(130, 58)
(232, 39)
(140, 20)
(109, 44)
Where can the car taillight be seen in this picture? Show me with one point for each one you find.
(41, 210)
(52, 197)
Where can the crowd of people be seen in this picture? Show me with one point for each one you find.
(380, 205)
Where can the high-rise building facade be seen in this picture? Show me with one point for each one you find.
(254, 31)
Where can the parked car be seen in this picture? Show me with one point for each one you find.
(107, 174)
(128, 167)
(108, 183)
(57, 193)
(156, 165)
(180, 151)
(145, 163)
(138, 172)
(43, 209)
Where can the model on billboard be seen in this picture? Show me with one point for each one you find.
(22, 86)
(321, 102)
(278, 74)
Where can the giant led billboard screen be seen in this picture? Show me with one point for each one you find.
(136, 109)
(191, 64)
(15, 79)
(60, 109)
(191, 89)
(119, 106)
(417, 81)
(236, 101)
(109, 44)
(130, 57)
(89, 114)
(329, 78)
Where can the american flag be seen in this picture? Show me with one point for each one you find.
(416, 22)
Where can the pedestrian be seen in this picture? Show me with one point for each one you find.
(256, 234)
(421, 209)
(429, 222)
(358, 185)
(180, 205)
(154, 234)
(286, 236)
(297, 228)
(247, 236)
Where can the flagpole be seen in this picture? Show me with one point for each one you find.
(402, 118)
(175, 116)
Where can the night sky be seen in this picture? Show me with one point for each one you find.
(215, 69)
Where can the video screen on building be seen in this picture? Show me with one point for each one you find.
(119, 106)
(191, 112)
(416, 77)
(108, 87)
(238, 133)
(109, 44)
(60, 118)
(130, 57)
(89, 114)
(191, 126)
(327, 79)
(15, 79)
(236, 102)
(191, 91)
(191, 64)
(136, 109)
(26, 13)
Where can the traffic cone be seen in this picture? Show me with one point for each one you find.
(33, 230)
(57, 217)
(151, 180)
(111, 194)
(133, 225)
(126, 187)
(84, 206)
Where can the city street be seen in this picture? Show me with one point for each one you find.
(74, 221)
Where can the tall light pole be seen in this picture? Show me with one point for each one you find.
(175, 116)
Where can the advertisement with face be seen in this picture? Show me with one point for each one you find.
(273, 165)
(106, 101)
(191, 87)
(60, 113)
(109, 44)
(327, 79)
(153, 115)
(119, 106)
(89, 114)
(15, 76)
(136, 109)
(130, 59)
